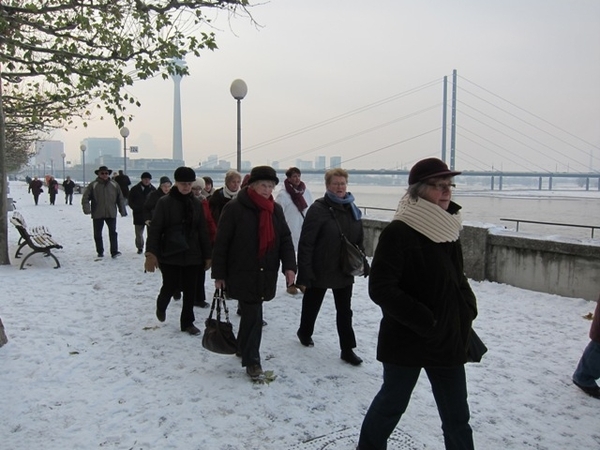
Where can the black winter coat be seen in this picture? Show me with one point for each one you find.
(170, 217)
(151, 202)
(137, 197)
(427, 303)
(319, 247)
(235, 254)
(216, 203)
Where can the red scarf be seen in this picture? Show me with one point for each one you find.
(266, 232)
(297, 194)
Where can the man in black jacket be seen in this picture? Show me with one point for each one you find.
(137, 197)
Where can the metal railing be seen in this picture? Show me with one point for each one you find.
(518, 221)
(365, 208)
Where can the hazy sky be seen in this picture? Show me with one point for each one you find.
(317, 60)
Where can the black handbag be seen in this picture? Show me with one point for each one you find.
(219, 336)
(476, 348)
(353, 261)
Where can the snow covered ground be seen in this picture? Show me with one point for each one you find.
(88, 365)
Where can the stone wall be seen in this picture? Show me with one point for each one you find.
(566, 268)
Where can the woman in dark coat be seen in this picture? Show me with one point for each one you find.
(319, 261)
(219, 198)
(178, 241)
(52, 189)
(150, 204)
(252, 240)
(418, 281)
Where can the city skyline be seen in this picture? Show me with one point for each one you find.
(366, 84)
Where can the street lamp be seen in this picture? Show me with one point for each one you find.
(83, 148)
(124, 132)
(239, 90)
(63, 155)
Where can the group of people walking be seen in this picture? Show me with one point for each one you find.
(246, 236)
(36, 188)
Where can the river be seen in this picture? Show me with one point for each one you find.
(574, 206)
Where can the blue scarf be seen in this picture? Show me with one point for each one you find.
(349, 198)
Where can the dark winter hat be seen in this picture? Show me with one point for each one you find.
(429, 168)
(185, 174)
(103, 169)
(164, 180)
(263, 173)
(146, 175)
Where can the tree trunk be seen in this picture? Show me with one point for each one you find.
(4, 259)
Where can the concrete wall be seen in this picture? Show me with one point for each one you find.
(566, 268)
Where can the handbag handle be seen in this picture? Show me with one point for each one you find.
(218, 298)
(342, 235)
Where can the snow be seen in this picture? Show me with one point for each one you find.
(88, 365)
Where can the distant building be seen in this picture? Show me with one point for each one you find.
(48, 156)
(304, 165)
(335, 161)
(320, 162)
(102, 147)
(46, 151)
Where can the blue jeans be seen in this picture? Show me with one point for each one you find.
(588, 369)
(449, 386)
(111, 223)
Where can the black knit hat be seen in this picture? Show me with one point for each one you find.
(146, 175)
(263, 173)
(164, 179)
(429, 168)
(185, 174)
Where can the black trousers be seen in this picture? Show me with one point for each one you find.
(250, 333)
(311, 305)
(176, 278)
(111, 223)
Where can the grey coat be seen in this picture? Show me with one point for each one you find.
(102, 198)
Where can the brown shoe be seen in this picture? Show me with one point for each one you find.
(292, 289)
(301, 288)
(254, 370)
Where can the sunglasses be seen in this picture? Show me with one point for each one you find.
(103, 173)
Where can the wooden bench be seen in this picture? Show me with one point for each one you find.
(37, 238)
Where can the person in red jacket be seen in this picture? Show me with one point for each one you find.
(588, 369)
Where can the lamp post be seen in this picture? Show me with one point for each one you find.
(83, 148)
(239, 90)
(124, 132)
(63, 155)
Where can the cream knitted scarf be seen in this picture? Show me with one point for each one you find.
(429, 219)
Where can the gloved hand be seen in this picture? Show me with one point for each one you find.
(151, 263)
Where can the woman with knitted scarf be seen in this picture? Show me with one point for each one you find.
(178, 243)
(252, 241)
(417, 279)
